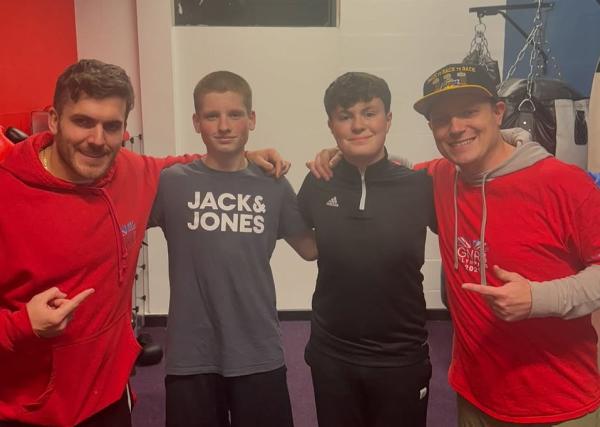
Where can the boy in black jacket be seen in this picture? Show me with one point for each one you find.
(368, 349)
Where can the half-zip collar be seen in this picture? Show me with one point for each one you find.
(349, 173)
(526, 154)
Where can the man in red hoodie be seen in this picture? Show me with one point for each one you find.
(74, 211)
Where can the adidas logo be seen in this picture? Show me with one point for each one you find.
(333, 202)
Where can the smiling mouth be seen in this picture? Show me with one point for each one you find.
(94, 155)
(359, 139)
(461, 142)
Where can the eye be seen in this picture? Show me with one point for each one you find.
(370, 114)
(467, 113)
(439, 120)
(236, 114)
(210, 116)
(112, 127)
(84, 122)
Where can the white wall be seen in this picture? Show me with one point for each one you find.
(402, 41)
(107, 30)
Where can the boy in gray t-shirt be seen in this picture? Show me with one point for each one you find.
(222, 217)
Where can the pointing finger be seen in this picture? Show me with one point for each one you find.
(480, 289)
(69, 306)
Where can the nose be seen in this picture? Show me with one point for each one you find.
(457, 125)
(96, 135)
(224, 126)
(358, 125)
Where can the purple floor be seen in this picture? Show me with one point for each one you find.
(149, 386)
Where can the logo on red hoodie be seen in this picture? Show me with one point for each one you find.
(469, 254)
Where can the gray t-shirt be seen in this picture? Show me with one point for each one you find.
(221, 229)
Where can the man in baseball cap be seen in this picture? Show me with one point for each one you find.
(500, 203)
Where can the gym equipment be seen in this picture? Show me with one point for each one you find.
(479, 54)
(151, 353)
(548, 108)
(594, 124)
(15, 135)
(5, 144)
(500, 10)
(554, 114)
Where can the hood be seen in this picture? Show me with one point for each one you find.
(526, 154)
(23, 162)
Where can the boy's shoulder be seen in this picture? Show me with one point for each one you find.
(263, 177)
(181, 169)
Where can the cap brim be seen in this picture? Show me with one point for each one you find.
(423, 105)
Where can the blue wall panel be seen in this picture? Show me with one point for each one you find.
(572, 29)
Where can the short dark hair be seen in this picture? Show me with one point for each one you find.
(220, 82)
(96, 79)
(353, 87)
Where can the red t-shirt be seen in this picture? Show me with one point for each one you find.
(543, 222)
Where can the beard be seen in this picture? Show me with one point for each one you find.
(83, 163)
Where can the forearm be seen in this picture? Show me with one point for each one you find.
(571, 297)
(15, 328)
(305, 245)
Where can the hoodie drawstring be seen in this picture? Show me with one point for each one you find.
(456, 220)
(482, 260)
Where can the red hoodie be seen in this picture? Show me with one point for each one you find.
(55, 233)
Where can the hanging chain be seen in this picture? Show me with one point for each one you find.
(479, 52)
(479, 44)
(538, 43)
(534, 56)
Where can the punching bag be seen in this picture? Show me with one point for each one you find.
(554, 114)
(594, 124)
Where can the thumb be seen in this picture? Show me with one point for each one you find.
(506, 276)
(52, 293)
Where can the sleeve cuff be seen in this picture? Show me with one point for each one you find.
(23, 332)
(544, 300)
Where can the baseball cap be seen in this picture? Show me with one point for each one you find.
(452, 77)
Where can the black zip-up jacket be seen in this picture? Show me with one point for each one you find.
(368, 306)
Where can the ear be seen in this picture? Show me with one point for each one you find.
(388, 118)
(252, 117)
(499, 110)
(196, 122)
(330, 125)
(53, 121)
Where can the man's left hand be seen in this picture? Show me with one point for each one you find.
(270, 161)
(511, 301)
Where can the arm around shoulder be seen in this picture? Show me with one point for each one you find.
(305, 245)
